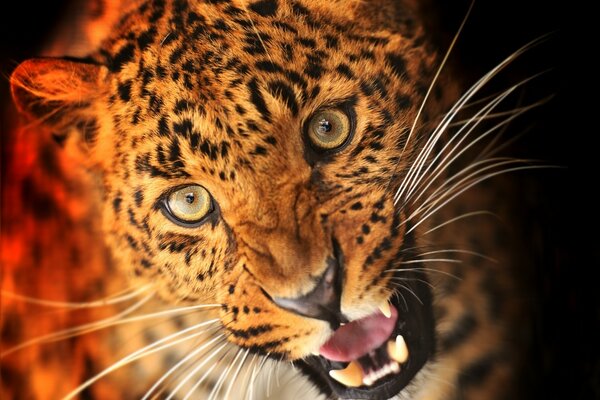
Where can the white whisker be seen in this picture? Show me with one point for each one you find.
(178, 365)
(458, 218)
(418, 261)
(79, 330)
(198, 368)
(477, 181)
(143, 352)
(116, 298)
(235, 374)
(215, 390)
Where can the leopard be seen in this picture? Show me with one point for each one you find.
(250, 191)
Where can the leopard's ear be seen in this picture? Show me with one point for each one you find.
(58, 93)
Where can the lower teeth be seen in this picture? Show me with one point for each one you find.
(353, 375)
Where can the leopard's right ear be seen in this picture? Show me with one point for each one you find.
(59, 93)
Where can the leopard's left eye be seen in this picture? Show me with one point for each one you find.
(188, 205)
(329, 129)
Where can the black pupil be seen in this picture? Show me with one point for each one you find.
(324, 126)
(189, 198)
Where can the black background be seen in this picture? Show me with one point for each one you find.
(564, 360)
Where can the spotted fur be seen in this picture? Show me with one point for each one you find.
(218, 93)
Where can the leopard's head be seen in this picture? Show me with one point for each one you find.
(249, 154)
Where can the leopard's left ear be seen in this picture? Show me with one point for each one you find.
(58, 93)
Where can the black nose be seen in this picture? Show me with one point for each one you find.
(323, 302)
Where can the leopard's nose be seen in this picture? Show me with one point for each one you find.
(323, 301)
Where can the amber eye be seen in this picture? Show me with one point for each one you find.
(329, 129)
(188, 205)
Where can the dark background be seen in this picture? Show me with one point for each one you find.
(564, 358)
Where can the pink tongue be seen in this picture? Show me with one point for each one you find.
(359, 337)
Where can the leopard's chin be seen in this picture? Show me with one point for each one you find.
(377, 356)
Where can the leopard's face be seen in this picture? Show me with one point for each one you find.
(250, 154)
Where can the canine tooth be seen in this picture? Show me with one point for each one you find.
(397, 349)
(351, 376)
(385, 309)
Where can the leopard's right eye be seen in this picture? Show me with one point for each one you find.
(329, 129)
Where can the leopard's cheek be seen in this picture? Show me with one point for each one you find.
(251, 320)
(372, 238)
(180, 264)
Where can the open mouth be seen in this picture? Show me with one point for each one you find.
(375, 357)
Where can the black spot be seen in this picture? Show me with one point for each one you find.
(250, 332)
(345, 70)
(403, 101)
(266, 8)
(146, 264)
(365, 229)
(257, 99)
(268, 66)
(300, 10)
(132, 242)
(183, 128)
(285, 27)
(259, 150)
(256, 42)
(246, 310)
(125, 90)
(331, 42)
(397, 63)
(163, 127)
(146, 37)
(281, 90)
(117, 204)
(314, 70)
(477, 371)
(459, 333)
(307, 42)
(356, 206)
(376, 146)
(122, 57)
(231, 289)
(139, 197)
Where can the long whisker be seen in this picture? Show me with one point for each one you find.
(420, 172)
(179, 364)
(116, 298)
(460, 217)
(423, 270)
(409, 290)
(445, 162)
(255, 373)
(437, 74)
(198, 368)
(79, 330)
(235, 374)
(215, 390)
(454, 110)
(461, 251)
(108, 322)
(143, 352)
(418, 261)
(396, 278)
(477, 181)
